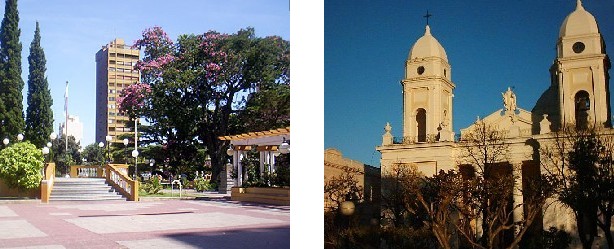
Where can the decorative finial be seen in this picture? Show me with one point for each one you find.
(578, 5)
(427, 16)
(427, 30)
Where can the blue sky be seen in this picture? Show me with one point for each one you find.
(73, 31)
(490, 45)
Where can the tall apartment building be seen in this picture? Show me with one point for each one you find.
(114, 71)
(75, 128)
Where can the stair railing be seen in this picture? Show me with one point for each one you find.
(87, 171)
(47, 182)
(117, 176)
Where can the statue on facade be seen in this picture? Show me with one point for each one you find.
(445, 122)
(509, 100)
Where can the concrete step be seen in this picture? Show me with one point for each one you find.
(83, 193)
(82, 198)
(83, 189)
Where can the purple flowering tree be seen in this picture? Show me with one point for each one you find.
(198, 88)
(134, 99)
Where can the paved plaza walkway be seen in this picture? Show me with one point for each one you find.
(213, 223)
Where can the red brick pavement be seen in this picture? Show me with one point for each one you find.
(192, 224)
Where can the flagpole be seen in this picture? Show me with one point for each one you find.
(66, 111)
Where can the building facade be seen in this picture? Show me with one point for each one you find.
(75, 128)
(578, 95)
(367, 177)
(114, 70)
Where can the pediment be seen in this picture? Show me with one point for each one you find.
(516, 124)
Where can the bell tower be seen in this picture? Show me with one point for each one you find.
(427, 92)
(581, 72)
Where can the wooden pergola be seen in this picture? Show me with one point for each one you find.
(266, 142)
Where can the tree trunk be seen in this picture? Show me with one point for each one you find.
(605, 227)
(584, 231)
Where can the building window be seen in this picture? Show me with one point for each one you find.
(111, 98)
(111, 121)
(583, 105)
(421, 120)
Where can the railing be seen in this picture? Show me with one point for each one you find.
(47, 182)
(116, 175)
(94, 171)
(429, 138)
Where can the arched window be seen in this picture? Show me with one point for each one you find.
(583, 105)
(421, 120)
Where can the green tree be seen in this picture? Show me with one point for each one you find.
(195, 86)
(64, 158)
(10, 65)
(580, 162)
(20, 165)
(93, 154)
(39, 116)
(269, 108)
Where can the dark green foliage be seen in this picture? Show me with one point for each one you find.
(281, 176)
(63, 158)
(93, 154)
(10, 73)
(251, 166)
(39, 116)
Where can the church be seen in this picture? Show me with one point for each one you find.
(578, 94)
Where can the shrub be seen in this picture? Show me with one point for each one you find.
(153, 186)
(20, 166)
(201, 184)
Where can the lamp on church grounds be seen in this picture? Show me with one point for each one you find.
(19, 137)
(5, 142)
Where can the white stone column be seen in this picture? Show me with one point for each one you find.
(235, 166)
(262, 160)
(240, 169)
(517, 193)
(273, 165)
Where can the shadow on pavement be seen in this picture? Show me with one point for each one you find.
(252, 238)
(242, 203)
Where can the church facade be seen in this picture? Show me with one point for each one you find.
(578, 94)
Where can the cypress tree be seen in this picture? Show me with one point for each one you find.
(39, 116)
(12, 85)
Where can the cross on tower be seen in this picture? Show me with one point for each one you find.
(427, 17)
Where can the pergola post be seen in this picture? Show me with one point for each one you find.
(262, 162)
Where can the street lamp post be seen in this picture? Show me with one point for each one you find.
(100, 145)
(135, 154)
(108, 138)
(19, 137)
(5, 142)
(52, 136)
(45, 152)
(125, 148)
